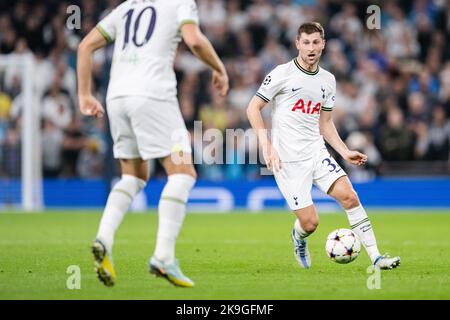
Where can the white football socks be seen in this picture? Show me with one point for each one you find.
(171, 210)
(119, 201)
(299, 232)
(360, 224)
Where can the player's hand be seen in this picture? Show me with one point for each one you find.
(89, 106)
(220, 82)
(355, 157)
(271, 157)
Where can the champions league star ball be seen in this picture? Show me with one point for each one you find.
(343, 246)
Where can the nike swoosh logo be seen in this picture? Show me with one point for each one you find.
(293, 90)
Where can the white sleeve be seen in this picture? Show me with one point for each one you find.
(329, 103)
(108, 25)
(187, 13)
(270, 86)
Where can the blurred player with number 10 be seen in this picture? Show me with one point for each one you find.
(144, 116)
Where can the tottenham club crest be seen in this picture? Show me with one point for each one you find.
(323, 92)
(267, 80)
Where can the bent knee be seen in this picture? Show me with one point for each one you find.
(310, 226)
(191, 171)
(188, 170)
(350, 200)
(135, 167)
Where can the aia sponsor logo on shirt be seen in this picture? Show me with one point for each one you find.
(306, 107)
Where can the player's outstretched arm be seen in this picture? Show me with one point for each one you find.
(271, 156)
(203, 49)
(89, 106)
(330, 134)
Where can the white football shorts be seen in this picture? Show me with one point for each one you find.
(295, 179)
(146, 128)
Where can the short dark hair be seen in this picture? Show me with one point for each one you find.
(311, 27)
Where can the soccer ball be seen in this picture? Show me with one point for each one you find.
(343, 246)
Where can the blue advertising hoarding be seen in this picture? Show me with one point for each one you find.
(224, 196)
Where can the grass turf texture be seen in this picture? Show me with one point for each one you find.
(229, 256)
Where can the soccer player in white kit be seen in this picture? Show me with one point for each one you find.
(303, 97)
(145, 119)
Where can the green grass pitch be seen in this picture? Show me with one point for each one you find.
(229, 256)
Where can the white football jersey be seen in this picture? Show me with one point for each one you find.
(146, 35)
(298, 96)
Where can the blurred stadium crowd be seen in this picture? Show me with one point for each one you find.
(393, 99)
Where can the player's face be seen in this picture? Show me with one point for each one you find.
(310, 47)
